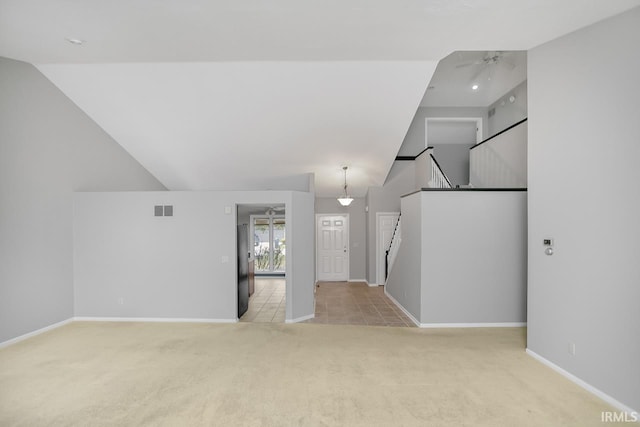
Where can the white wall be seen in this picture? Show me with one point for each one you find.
(422, 166)
(48, 149)
(302, 257)
(302, 182)
(401, 180)
(506, 113)
(501, 162)
(474, 257)
(357, 231)
(463, 257)
(451, 132)
(404, 283)
(182, 266)
(584, 146)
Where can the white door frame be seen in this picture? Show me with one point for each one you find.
(348, 252)
(476, 120)
(379, 253)
(252, 232)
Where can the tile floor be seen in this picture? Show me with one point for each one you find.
(344, 303)
(355, 303)
(267, 304)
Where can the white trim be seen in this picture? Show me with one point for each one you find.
(372, 285)
(474, 325)
(359, 280)
(153, 319)
(404, 310)
(34, 333)
(591, 389)
(300, 319)
(453, 325)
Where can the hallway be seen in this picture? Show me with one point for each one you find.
(268, 302)
(356, 303)
(337, 303)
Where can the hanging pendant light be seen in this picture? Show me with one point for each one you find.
(345, 199)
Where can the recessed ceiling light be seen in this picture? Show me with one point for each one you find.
(77, 42)
(475, 87)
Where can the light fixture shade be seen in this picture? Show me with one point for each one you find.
(345, 201)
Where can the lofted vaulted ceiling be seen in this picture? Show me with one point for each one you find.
(211, 94)
(493, 73)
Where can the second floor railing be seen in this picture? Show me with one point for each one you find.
(438, 177)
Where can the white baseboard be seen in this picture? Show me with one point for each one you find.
(453, 325)
(34, 333)
(404, 310)
(359, 280)
(371, 285)
(300, 319)
(591, 389)
(152, 319)
(474, 325)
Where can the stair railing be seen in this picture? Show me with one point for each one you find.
(394, 245)
(438, 177)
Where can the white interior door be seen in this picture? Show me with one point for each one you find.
(386, 225)
(333, 247)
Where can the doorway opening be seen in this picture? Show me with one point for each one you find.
(261, 263)
(268, 303)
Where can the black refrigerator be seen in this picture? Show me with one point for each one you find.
(243, 269)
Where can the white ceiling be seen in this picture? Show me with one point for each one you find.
(230, 125)
(218, 94)
(451, 84)
(231, 30)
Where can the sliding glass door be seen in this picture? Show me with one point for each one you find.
(269, 247)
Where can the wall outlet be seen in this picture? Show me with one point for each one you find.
(224, 259)
(572, 348)
(121, 301)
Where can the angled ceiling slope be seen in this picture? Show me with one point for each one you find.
(191, 89)
(233, 125)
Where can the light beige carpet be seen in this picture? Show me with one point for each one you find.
(138, 374)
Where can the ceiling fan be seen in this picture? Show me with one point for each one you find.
(273, 210)
(492, 57)
(489, 61)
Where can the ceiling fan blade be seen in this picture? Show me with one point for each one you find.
(476, 76)
(469, 64)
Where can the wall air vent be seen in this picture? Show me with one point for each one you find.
(166, 210)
